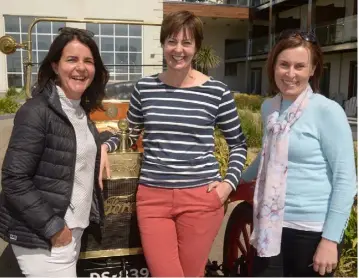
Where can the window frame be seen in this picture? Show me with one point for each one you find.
(35, 46)
(131, 71)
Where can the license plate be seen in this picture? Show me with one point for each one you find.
(110, 273)
(128, 266)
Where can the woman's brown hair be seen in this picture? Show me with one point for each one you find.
(174, 22)
(91, 99)
(294, 39)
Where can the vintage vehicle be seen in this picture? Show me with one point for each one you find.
(115, 249)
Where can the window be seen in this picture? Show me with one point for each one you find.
(324, 82)
(42, 36)
(353, 79)
(256, 81)
(235, 48)
(121, 49)
(230, 69)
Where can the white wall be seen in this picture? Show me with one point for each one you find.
(139, 10)
(215, 34)
(237, 83)
(339, 72)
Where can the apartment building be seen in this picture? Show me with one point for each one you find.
(127, 46)
(240, 31)
(335, 25)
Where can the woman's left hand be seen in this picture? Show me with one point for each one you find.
(223, 189)
(325, 259)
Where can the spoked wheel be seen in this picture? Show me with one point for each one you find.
(238, 254)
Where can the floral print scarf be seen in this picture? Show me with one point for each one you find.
(270, 190)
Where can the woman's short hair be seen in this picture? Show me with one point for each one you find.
(94, 94)
(174, 22)
(292, 39)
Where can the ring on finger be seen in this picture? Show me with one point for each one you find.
(329, 269)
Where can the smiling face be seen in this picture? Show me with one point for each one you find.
(292, 71)
(179, 50)
(75, 69)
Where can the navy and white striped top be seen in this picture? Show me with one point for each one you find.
(178, 137)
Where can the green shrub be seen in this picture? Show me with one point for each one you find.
(348, 264)
(12, 92)
(8, 105)
(251, 124)
(252, 129)
(221, 152)
(246, 101)
(356, 154)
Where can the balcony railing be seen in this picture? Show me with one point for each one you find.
(235, 49)
(215, 2)
(259, 46)
(256, 3)
(341, 31)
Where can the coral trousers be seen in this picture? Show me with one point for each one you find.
(177, 228)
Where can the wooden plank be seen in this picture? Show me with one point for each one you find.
(203, 10)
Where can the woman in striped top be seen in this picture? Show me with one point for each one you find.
(181, 193)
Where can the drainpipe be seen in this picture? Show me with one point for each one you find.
(270, 26)
(309, 16)
(248, 54)
(340, 73)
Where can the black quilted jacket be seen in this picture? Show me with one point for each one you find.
(38, 173)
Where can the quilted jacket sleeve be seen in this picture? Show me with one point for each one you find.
(21, 160)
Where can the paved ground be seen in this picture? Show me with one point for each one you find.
(216, 251)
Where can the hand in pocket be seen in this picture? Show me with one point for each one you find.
(62, 238)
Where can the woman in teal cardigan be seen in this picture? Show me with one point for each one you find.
(305, 174)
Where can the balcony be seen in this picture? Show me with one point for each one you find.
(261, 7)
(256, 3)
(244, 3)
(235, 49)
(235, 9)
(341, 31)
(260, 46)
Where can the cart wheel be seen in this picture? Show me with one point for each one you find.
(236, 238)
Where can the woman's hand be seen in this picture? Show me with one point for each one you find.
(223, 189)
(104, 164)
(325, 259)
(62, 238)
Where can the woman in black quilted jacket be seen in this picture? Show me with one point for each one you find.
(50, 174)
